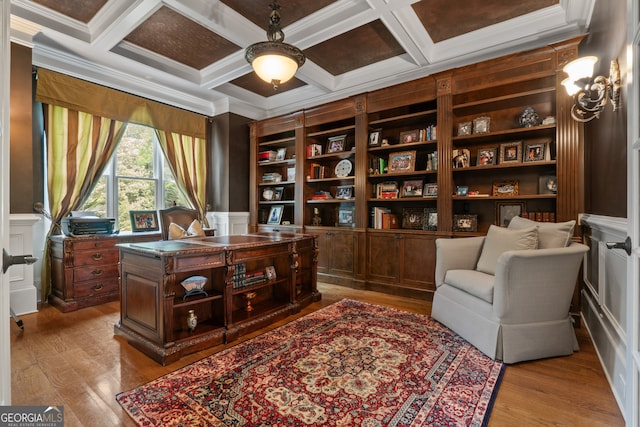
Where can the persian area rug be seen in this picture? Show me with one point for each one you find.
(349, 364)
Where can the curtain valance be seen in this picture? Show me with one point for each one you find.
(66, 91)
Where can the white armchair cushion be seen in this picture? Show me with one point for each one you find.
(500, 240)
(550, 234)
(476, 283)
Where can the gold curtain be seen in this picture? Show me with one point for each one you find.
(79, 146)
(187, 158)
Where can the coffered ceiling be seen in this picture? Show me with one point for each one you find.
(190, 53)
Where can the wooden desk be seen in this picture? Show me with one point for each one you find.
(154, 308)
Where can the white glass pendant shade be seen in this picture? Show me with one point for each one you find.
(271, 67)
(580, 68)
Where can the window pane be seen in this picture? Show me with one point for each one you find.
(173, 195)
(134, 194)
(135, 152)
(97, 201)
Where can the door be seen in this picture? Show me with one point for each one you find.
(5, 352)
(633, 216)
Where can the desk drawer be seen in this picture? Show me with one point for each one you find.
(97, 272)
(81, 245)
(96, 257)
(96, 287)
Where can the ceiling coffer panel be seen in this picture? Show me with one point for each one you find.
(82, 11)
(174, 36)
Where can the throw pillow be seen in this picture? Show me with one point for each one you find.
(550, 234)
(177, 232)
(500, 240)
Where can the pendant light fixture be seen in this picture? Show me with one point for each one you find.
(274, 61)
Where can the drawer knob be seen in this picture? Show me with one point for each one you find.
(98, 287)
(97, 256)
(97, 272)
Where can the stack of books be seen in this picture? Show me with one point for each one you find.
(265, 156)
(242, 278)
(321, 195)
(271, 178)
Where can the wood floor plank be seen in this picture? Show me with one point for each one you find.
(74, 359)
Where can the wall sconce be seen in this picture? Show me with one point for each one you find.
(591, 95)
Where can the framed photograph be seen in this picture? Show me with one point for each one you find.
(275, 215)
(337, 144)
(409, 136)
(460, 158)
(505, 211)
(430, 190)
(481, 124)
(144, 221)
(505, 188)
(291, 174)
(277, 193)
(281, 154)
(548, 184)
(511, 152)
(412, 188)
(413, 218)
(430, 219)
(375, 138)
(270, 272)
(344, 192)
(462, 190)
(345, 217)
(268, 194)
(465, 128)
(487, 156)
(535, 152)
(465, 223)
(404, 161)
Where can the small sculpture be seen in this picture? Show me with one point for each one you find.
(529, 118)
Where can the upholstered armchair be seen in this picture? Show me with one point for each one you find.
(508, 293)
(178, 222)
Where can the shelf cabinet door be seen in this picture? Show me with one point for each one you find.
(383, 254)
(336, 252)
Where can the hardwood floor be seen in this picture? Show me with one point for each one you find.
(75, 360)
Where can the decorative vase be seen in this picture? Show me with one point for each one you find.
(192, 320)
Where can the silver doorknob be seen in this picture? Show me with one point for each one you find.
(9, 260)
(626, 245)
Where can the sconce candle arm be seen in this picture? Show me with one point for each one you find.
(591, 100)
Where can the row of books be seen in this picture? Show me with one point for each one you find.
(429, 133)
(314, 150)
(383, 218)
(540, 216)
(316, 171)
(242, 278)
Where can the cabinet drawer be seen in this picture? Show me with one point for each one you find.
(81, 245)
(96, 272)
(95, 287)
(94, 258)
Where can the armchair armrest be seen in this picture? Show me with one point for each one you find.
(456, 254)
(536, 284)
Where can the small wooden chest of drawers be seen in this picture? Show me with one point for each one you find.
(84, 270)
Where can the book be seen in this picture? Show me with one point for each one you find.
(378, 211)
(390, 220)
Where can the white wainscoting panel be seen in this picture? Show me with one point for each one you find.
(604, 297)
(228, 223)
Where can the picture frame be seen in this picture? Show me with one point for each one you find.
(466, 223)
(505, 211)
(487, 156)
(345, 217)
(462, 190)
(511, 152)
(465, 128)
(268, 194)
(403, 161)
(481, 124)
(460, 158)
(291, 174)
(270, 272)
(375, 138)
(344, 192)
(548, 184)
(144, 220)
(412, 188)
(535, 152)
(275, 215)
(337, 144)
(505, 188)
(413, 218)
(277, 193)
(430, 219)
(410, 136)
(281, 154)
(430, 190)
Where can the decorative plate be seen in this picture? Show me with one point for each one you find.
(343, 168)
(529, 118)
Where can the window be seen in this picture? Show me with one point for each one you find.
(138, 177)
